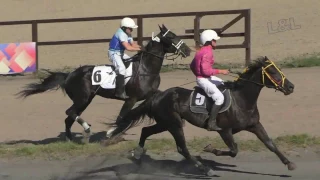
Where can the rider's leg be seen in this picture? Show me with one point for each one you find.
(218, 98)
(120, 85)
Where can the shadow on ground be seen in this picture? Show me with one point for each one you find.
(150, 168)
(95, 137)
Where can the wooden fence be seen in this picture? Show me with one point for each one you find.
(189, 33)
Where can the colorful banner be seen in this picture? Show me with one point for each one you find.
(17, 58)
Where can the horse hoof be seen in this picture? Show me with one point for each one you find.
(110, 131)
(86, 136)
(211, 173)
(208, 148)
(138, 152)
(291, 166)
(67, 139)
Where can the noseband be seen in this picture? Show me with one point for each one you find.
(177, 46)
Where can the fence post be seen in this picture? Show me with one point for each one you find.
(197, 30)
(35, 39)
(247, 30)
(140, 30)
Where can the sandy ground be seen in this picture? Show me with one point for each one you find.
(42, 116)
(246, 166)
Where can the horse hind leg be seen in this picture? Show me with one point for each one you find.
(68, 123)
(227, 137)
(145, 133)
(261, 133)
(74, 113)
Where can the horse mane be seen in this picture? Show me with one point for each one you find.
(246, 74)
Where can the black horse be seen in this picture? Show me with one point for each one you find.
(239, 111)
(143, 82)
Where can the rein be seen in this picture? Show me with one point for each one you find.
(264, 73)
(278, 85)
(238, 77)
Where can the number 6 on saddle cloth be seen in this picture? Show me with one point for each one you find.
(105, 76)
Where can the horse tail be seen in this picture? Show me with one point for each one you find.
(137, 115)
(53, 81)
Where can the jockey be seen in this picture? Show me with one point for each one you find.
(201, 67)
(120, 42)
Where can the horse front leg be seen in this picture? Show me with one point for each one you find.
(227, 137)
(178, 136)
(261, 133)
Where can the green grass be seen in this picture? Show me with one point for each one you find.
(305, 60)
(63, 150)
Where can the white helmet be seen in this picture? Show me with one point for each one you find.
(208, 35)
(128, 22)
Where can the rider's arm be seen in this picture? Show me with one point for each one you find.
(125, 42)
(206, 68)
(134, 43)
(129, 47)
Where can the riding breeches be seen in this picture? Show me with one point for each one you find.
(209, 85)
(117, 60)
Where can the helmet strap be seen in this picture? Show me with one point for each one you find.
(124, 29)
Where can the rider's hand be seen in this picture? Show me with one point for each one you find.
(142, 48)
(224, 71)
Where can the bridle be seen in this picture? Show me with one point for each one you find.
(177, 46)
(278, 85)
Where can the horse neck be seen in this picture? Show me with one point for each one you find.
(150, 63)
(250, 91)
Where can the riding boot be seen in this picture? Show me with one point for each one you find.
(120, 87)
(212, 123)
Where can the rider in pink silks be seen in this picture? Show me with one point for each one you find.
(201, 67)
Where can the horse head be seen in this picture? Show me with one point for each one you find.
(271, 75)
(172, 43)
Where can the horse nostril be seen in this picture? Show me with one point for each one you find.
(291, 88)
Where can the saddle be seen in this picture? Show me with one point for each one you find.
(201, 103)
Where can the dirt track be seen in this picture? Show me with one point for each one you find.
(263, 166)
(42, 116)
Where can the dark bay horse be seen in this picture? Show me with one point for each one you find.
(143, 82)
(239, 111)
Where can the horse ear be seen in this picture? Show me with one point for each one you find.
(164, 27)
(160, 28)
(266, 58)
